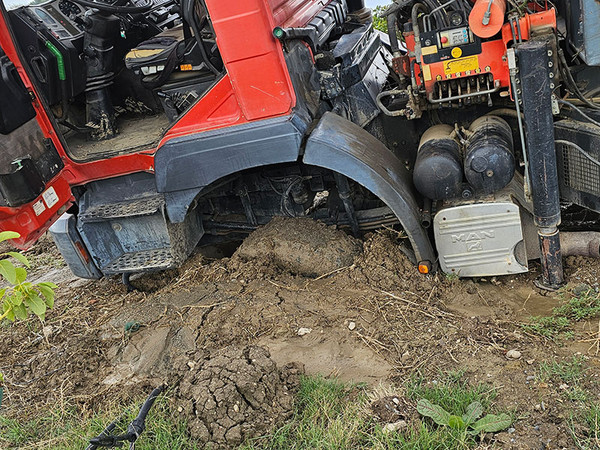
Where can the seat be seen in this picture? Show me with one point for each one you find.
(152, 55)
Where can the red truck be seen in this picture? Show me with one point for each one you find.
(137, 129)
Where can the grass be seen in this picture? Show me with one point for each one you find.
(64, 429)
(328, 414)
(583, 304)
(585, 427)
(333, 415)
(570, 371)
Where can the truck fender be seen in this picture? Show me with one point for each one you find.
(185, 166)
(344, 147)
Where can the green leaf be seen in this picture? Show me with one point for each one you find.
(456, 423)
(435, 412)
(2, 293)
(21, 274)
(7, 270)
(19, 257)
(48, 294)
(6, 235)
(36, 304)
(20, 311)
(11, 315)
(474, 412)
(492, 423)
(16, 299)
(48, 284)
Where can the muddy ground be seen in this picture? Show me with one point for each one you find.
(369, 317)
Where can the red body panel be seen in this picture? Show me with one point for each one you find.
(256, 86)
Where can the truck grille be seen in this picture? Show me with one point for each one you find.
(579, 172)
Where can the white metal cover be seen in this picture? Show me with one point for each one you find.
(479, 239)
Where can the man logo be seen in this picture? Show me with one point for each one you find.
(473, 236)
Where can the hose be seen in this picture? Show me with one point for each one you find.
(414, 15)
(579, 149)
(392, 20)
(571, 81)
(579, 111)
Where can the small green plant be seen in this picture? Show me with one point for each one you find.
(549, 327)
(570, 371)
(583, 304)
(470, 422)
(21, 297)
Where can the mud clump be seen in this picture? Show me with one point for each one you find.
(237, 394)
(301, 246)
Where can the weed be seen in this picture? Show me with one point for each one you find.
(577, 394)
(333, 415)
(566, 371)
(583, 304)
(549, 327)
(63, 428)
(585, 427)
(451, 392)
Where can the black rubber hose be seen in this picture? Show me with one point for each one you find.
(392, 20)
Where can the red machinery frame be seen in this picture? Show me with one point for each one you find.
(256, 86)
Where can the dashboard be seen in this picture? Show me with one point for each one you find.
(60, 17)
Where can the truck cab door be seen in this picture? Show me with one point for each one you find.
(33, 190)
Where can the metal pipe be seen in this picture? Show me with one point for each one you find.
(543, 172)
(584, 243)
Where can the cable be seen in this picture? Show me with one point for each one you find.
(571, 81)
(578, 110)
(579, 149)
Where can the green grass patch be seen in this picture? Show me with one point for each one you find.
(570, 371)
(582, 303)
(451, 392)
(65, 429)
(585, 427)
(334, 415)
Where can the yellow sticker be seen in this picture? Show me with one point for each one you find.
(456, 52)
(426, 72)
(461, 65)
(429, 50)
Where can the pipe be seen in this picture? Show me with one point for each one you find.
(583, 243)
(541, 150)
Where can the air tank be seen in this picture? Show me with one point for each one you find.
(489, 155)
(438, 172)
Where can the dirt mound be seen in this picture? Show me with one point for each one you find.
(237, 394)
(301, 246)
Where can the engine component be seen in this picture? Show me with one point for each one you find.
(534, 66)
(483, 239)
(489, 158)
(487, 17)
(438, 167)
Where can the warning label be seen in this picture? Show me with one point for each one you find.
(461, 65)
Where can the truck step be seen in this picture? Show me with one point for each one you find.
(138, 207)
